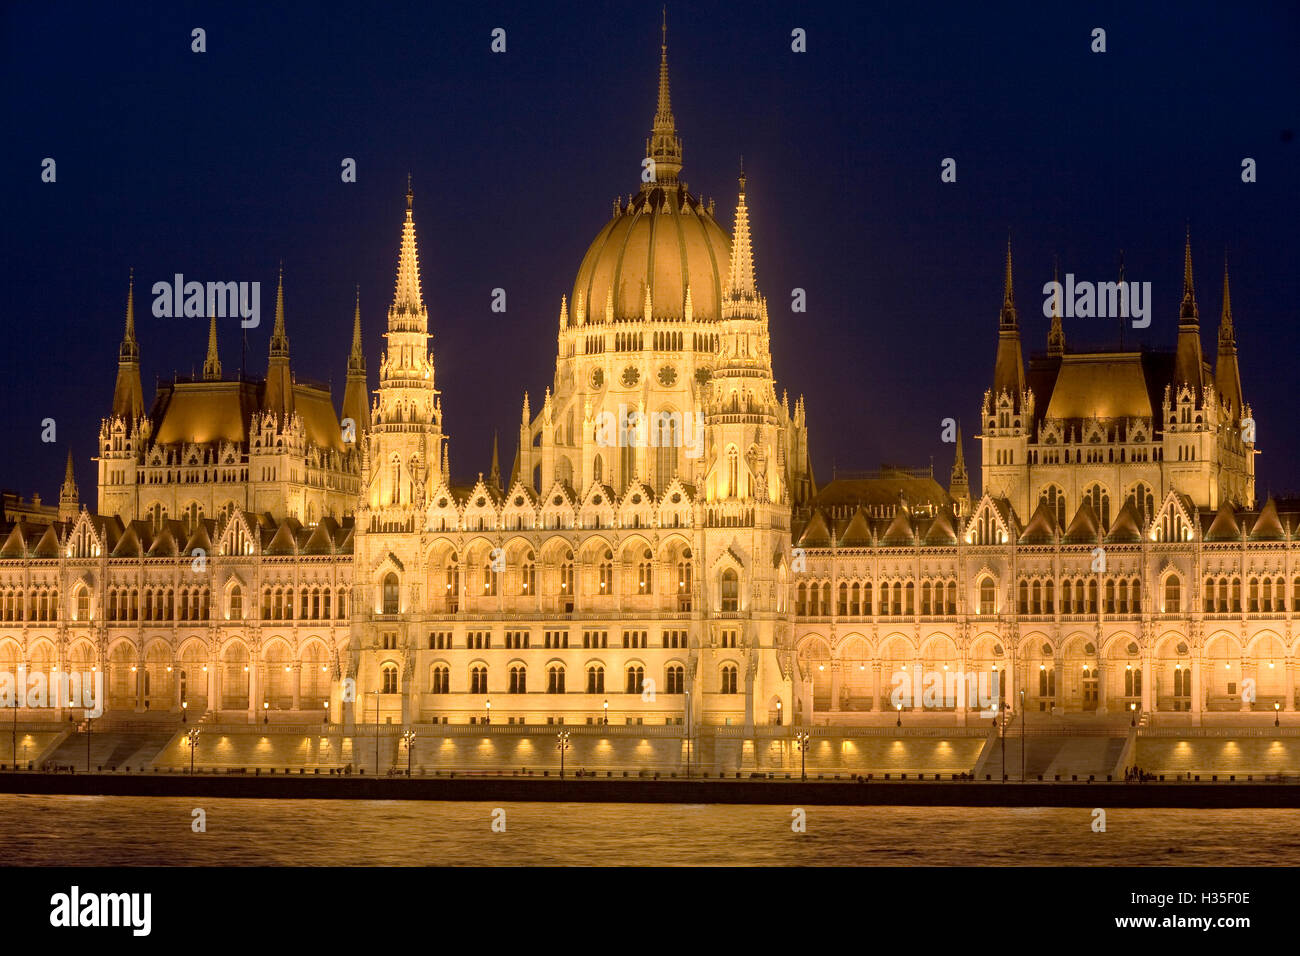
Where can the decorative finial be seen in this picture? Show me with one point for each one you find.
(742, 174)
(664, 44)
(410, 194)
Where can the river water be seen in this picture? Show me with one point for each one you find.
(126, 831)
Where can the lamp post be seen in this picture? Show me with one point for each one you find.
(266, 711)
(192, 735)
(1276, 707)
(376, 693)
(326, 720)
(802, 739)
(899, 721)
(606, 717)
(562, 746)
(1132, 709)
(778, 713)
(185, 708)
(409, 738)
(487, 711)
(1022, 734)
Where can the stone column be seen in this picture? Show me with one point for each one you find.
(1102, 698)
(297, 685)
(835, 685)
(254, 689)
(1059, 664)
(1198, 687)
(1288, 705)
(877, 702)
(1148, 683)
(139, 687)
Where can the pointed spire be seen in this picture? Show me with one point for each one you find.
(212, 364)
(646, 308)
(130, 348)
(279, 339)
(564, 312)
(446, 462)
(407, 299)
(1188, 312)
(494, 475)
(664, 147)
(357, 357)
(1227, 334)
(526, 415)
(128, 395)
(68, 499)
(1009, 368)
(1056, 335)
(740, 278)
(1188, 364)
(1227, 372)
(688, 309)
(1008, 295)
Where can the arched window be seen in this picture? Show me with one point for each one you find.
(528, 575)
(595, 679)
(666, 438)
(676, 675)
(635, 676)
(645, 573)
(390, 593)
(83, 604)
(733, 473)
(489, 580)
(607, 573)
(441, 679)
(478, 675)
(988, 596)
(1055, 499)
(555, 679)
(729, 679)
(236, 604)
(597, 470)
(731, 590)
(1132, 681)
(518, 679)
(388, 674)
(801, 601)
(1173, 594)
(1099, 498)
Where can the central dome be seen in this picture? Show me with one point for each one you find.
(664, 240)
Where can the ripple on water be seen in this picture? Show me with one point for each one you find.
(126, 831)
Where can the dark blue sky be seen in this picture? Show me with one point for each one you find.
(218, 165)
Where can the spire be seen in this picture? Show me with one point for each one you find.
(1188, 364)
(128, 396)
(1056, 335)
(212, 364)
(1227, 335)
(355, 405)
(68, 500)
(1008, 295)
(958, 482)
(494, 475)
(278, 397)
(740, 279)
(664, 147)
(564, 312)
(279, 340)
(1009, 368)
(407, 300)
(1227, 372)
(1188, 310)
(357, 357)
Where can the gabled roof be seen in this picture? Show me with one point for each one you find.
(1127, 528)
(48, 545)
(1224, 527)
(943, 529)
(900, 531)
(1085, 526)
(1268, 526)
(857, 534)
(284, 540)
(1042, 527)
(817, 534)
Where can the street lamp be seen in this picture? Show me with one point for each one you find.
(802, 739)
(606, 717)
(185, 706)
(899, 721)
(562, 746)
(266, 711)
(409, 738)
(326, 720)
(487, 707)
(192, 735)
(1276, 720)
(778, 713)
(1023, 714)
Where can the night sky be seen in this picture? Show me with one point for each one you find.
(219, 165)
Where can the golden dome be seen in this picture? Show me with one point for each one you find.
(665, 239)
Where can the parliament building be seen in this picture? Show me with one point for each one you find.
(258, 552)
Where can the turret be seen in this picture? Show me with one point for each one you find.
(1188, 365)
(212, 364)
(69, 502)
(355, 405)
(278, 399)
(128, 396)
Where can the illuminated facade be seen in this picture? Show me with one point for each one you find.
(660, 552)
